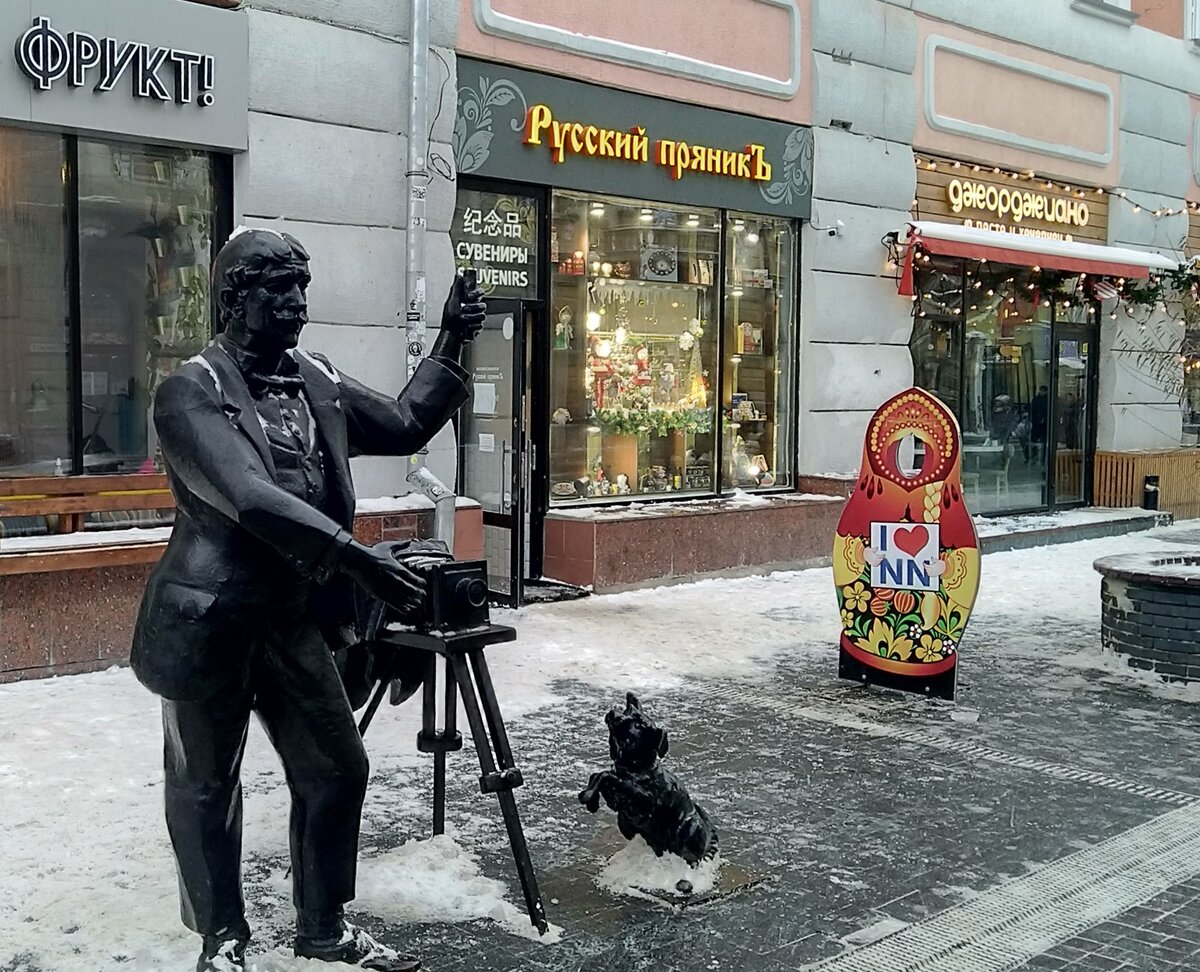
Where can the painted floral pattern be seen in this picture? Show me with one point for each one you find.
(907, 630)
(473, 134)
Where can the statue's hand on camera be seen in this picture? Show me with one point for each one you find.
(464, 312)
(382, 576)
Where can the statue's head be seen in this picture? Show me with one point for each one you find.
(260, 279)
(635, 743)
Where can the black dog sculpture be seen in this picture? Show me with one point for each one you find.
(648, 799)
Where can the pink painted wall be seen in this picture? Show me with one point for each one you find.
(745, 35)
(1164, 16)
(1035, 107)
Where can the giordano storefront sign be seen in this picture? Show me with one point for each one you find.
(527, 127)
(956, 193)
(179, 76)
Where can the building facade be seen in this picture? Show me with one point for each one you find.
(134, 136)
(991, 192)
(716, 237)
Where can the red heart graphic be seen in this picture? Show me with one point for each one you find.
(911, 541)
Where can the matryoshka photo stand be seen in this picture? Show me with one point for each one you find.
(906, 557)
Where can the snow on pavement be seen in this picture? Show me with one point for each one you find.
(87, 869)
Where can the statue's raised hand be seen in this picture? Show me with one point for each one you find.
(465, 309)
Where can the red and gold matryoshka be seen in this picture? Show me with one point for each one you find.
(897, 631)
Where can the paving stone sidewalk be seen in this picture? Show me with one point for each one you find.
(851, 814)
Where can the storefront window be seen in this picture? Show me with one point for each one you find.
(35, 386)
(633, 366)
(145, 246)
(146, 225)
(1007, 348)
(758, 352)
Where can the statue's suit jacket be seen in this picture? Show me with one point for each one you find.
(244, 553)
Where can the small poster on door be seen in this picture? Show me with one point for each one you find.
(483, 398)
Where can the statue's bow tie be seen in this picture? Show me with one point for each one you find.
(288, 385)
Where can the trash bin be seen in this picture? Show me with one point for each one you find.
(1150, 493)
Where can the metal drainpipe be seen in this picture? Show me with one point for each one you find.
(420, 477)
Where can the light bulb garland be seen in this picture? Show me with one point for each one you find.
(1048, 183)
(1171, 296)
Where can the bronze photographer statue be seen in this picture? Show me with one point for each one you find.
(256, 589)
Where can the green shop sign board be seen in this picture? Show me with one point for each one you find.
(526, 127)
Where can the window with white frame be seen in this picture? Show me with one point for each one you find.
(1191, 25)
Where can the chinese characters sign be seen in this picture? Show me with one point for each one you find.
(905, 557)
(497, 235)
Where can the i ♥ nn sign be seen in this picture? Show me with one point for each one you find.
(904, 557)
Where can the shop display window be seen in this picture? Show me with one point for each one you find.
(145, 248)
(145, 218)
(758, 374)
(35, 381)
(1007, 348)
(633, 366)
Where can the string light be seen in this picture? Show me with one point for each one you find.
(1030, 175)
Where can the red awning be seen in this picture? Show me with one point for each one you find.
(970, 243)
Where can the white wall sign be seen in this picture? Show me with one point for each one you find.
(905, 556)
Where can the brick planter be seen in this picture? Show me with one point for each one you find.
(1150, 612)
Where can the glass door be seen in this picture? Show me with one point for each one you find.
(491, 434)
(1073, 408)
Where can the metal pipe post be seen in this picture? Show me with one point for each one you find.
(417, 174)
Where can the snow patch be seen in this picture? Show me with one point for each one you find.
(635, 870)
(435, 880)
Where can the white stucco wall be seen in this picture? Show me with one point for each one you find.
(854, 328)
(328, 111)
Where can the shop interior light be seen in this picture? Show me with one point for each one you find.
(593, 321)
(693, 221)
(752, 237)
(646, 216)
(597, 209)
(593, 430)
(739, 226)
(736, 292)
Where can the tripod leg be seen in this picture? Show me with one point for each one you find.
(508, 803)
(449, 728)
(429, 732)
(491, 709)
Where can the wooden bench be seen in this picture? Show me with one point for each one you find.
(73, 505)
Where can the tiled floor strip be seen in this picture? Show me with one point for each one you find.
(1006, 926)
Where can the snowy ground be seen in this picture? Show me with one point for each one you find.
(743, 674)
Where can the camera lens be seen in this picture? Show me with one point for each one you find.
(474, 592)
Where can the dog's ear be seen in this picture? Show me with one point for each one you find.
(631, 702)
(610, 717)
(663, 743)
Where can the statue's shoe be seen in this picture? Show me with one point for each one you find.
(222, 954)
(355, 947)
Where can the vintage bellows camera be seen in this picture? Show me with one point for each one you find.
(456, 591)
(456, 596)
